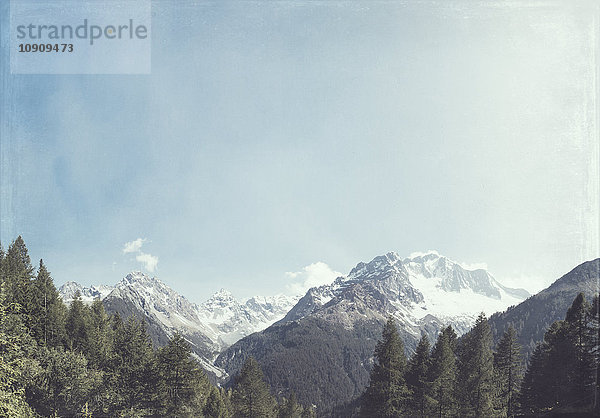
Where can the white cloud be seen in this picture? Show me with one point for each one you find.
(133, 246)
(148, 260)
(316, 274)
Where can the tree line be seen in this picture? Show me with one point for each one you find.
(466, 378)
(78, 361)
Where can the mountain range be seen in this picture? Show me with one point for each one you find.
(320, 344)
(323, 348)
(424, 292)
(209, 327)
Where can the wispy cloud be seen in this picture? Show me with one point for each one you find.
(133, 246)
(315, 274)
(148, 260)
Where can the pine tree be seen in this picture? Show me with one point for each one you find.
(76, 325)
(476, 371)
(290, 408)
(251, 396)
(535, 388)
(65, 383)
(47, 310)
(581, 375)
(18, 272)
(442, 374)
(387, 392)
(417, 378)
(133, 369)
(507, 368)
(215, 405)
(12, 399)
(185, 384)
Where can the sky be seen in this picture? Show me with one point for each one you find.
(277, 144)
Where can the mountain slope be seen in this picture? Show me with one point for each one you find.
(209, 327)
(532, 317)
(322, 349)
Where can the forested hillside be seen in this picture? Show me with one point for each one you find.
(532, 317)
(472, 378)
(78, 361)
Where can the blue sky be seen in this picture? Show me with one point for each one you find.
(272, 136)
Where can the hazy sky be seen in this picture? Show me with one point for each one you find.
(277, 142)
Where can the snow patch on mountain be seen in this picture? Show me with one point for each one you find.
(222, 319)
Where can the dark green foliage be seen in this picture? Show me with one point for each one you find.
(184, 385)
(251, 397)
(582, 366)
(386, 395)
(76, 325)
(132, 370)
(508, 370)
(215, 405)
(12, 365)
(535, 391)
(47, 310)
(533, 317)
(290, 408)
(417, 378)
(63, 383)
(562, 373)
(476, 370)
(442, 374)
(324, 364)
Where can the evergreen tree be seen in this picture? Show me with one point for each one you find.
(582, 371)
(476, 370)
(507, 368)
(18, 272)
(535, 389)
(442, 374)
(76, 325)
(12, 399)
(215, 405)
(186, 387)
(47, 310)
(387, 393)
(132, 371)
(251, 397)
(64, 383)
(417, 378)
(290, 408)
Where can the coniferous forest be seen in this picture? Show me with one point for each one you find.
(78, 361)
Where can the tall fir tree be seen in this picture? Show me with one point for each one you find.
(215, 406)
(47, 310)
(387, 394)
(476, 370)
(417, 378)
(76, 324)
(18, 273)
(251, 396)
(583, 368)
(535, 388)
(12, 392)
(185, 385)
(508, 372)
(133, 370)
(442, 374)
(290, 408)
